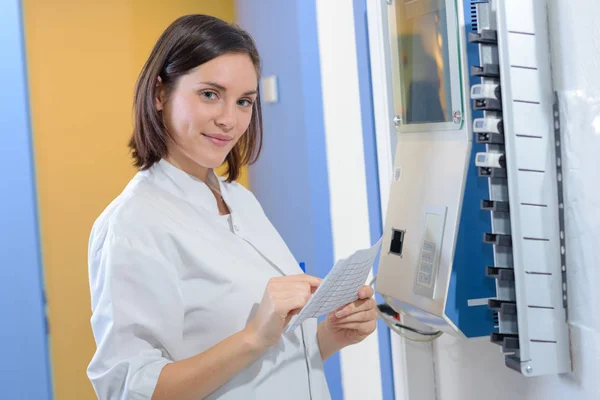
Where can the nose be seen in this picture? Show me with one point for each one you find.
(226, 120)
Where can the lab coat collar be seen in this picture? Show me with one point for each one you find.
(193, 190)
(188, 187)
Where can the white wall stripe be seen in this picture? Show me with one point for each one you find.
(360, 367)
(382, 102)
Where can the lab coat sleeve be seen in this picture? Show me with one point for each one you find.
(137, 317)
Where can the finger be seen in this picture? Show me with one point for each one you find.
(349, 308)
(313, 281)
(363, 316)
(364, 328)
(291, 315)
(285, 306)
(290, 287)
(280, 296)
(301, 290)
(355, 306)
(365, 292)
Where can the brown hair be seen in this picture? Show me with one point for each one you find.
(188, 42)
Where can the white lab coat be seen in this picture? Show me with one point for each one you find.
(170, 277)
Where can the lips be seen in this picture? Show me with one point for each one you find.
(218, 139)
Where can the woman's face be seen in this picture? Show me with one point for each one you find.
(209, 109)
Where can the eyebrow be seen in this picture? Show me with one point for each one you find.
(223, 89)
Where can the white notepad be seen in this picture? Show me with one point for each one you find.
(339, 287)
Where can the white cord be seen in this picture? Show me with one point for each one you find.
(393, 324)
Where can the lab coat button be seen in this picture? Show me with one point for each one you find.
(237, 228)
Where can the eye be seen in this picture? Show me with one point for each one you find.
(208, 95)
(245, 102)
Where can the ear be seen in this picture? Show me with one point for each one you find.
(159, 100)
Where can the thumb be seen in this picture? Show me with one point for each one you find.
(290, 316)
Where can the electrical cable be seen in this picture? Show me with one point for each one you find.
(387, 313)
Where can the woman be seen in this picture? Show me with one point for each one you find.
(191, 284)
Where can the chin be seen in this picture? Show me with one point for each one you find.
(212, 163)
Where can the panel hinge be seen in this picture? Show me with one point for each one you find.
(561, 202)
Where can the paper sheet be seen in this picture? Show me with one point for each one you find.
(339, 287)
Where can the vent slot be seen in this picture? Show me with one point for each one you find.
(474, 22)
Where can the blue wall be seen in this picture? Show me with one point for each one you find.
(24, 370)
(295, 193)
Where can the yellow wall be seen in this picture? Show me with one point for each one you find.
(83, 58)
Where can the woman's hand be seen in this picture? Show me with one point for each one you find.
(349, 324)
(283, 298)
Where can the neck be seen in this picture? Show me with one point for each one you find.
(188, 166)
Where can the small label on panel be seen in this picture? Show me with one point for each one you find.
(427, 265)
(425, 275)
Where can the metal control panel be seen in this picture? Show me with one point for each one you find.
(473, 241)
(432, 252)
